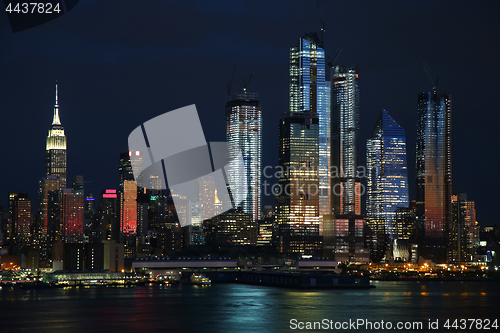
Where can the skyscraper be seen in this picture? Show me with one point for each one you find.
(348, 224)
(244, 130)
(128, 217)
(464, 234)
(434, 173)
(128, 201)
(309, 92)
(48, 226)
(21, 222)
(55, 160)
(387, 185)
(299, 193)
(72, 202)
(344, 151)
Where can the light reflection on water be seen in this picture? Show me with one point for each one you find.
(238, 308)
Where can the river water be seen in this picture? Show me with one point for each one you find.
(245, 308)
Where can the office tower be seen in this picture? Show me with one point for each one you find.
(88, 210)
(347, 227)
(434, 173)
(207, 197)
(128, 200)
(349, 238)
(345, 183)
(78, 184)
(464, 232)
(55, 160)
(6, 229)
(404, 225)
(237, 226)
(128, 217)
(325, 155)
(244, 130)
(309, 92)
(21, 222)
(299, 191)
(106, 222)
(297, 196)
(48, 219)
(404, 228)
(387, 184)
(125, 171)
(72, 203)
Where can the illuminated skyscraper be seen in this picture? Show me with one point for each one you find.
(55, 160)
(129, 214)
(244, 130)
(297, 197)
(303, 190)
(346, 188)
(48, 226)
(309, 92)
(434, 173)
(72, 202)
(128, 217)
(463, 238)
(344, 151)
(387, 185)
(21, 222)
(125, 171)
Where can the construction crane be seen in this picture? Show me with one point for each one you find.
(330, 62)
(230, 84)
(322, 27)
(435, 83)
(245, 83)
(339, 50)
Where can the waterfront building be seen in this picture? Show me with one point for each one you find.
(387, 183)
(244, 131)
(238, 226)
(349, 238)
(56, 154)
(404, 226)
(434, 174)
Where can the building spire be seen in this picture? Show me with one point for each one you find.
(56, 120)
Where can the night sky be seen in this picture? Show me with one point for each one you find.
(121, 63)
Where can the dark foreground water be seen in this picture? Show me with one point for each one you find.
(243, 308)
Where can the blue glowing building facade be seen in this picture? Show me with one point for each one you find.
(387, 185)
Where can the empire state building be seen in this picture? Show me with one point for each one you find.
(55, 161)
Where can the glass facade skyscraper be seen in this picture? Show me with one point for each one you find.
(387, 183)
(55, 160)
(309, 92)
(304, 136)
(344, 148)
(434, 173)
(298, 194)
(244, 130)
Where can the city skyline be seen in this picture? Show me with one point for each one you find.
(89, 111)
